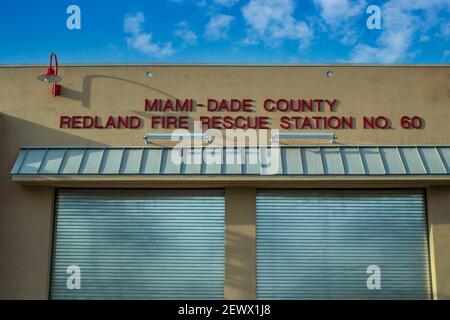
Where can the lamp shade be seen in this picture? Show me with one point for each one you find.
(49, 76)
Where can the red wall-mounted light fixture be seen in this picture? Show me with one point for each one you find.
(50, 75)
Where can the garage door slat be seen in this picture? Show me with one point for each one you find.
(318, 244)
(140, 244)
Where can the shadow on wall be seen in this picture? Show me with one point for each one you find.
(449, 85)
(15, 133)
(26, 212)
(237, 273)
(85, 95)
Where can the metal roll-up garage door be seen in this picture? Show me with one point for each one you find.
(142, 244)
(336, 244)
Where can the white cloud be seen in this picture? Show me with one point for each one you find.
(272, 22)
(446, 55)
(142, 41)
(223, 3)
(338, 19)
(218, 27)
(445, 29)
(133, 23)
(424, 38)
(402, 22)
(183, 31)
(226, 3)
(337, 12)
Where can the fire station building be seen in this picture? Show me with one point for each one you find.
(357, 206)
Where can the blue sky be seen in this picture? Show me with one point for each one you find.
(226, 31)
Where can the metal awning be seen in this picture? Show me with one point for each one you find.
(294, 161)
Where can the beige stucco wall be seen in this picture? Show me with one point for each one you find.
(240, 243)
(30, 116)
(102, 91)
(439, 230)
